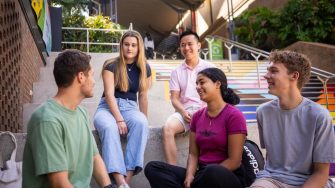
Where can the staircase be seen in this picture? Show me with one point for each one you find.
(243, 78)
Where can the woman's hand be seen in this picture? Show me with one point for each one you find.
(123, 130)
(188, 181)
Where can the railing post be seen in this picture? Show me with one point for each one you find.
(209, 41)
(257, 66)
(155, 55)
(204, 53)
(229, 55)
(87, 40)
(325, 89)
(130, 26)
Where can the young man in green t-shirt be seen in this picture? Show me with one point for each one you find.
(60, 150)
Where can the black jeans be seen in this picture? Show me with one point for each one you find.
(163, 175)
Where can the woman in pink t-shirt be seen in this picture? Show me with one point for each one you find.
(217, 136)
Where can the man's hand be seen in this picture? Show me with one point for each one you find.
(99, 171)
(187, 116)
(188, 181)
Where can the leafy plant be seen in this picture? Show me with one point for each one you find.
(305, 20)
(72, 16)
(257, 27)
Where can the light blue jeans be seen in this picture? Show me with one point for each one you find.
(108, 131)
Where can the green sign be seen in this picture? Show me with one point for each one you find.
(216, 50)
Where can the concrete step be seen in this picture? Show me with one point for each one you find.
(95, 58)
(43, 91)
(159, 105)
(46, 74)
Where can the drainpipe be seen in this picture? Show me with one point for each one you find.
(194, 21)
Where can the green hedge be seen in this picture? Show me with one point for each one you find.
(299, 20)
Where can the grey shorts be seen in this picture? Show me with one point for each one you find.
(271, 183)
(179, 117)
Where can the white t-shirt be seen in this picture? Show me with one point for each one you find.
(148, 43)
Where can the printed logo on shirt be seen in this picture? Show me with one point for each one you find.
(207, 133)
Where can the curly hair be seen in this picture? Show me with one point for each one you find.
(294, 62)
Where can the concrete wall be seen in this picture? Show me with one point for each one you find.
(321, 55)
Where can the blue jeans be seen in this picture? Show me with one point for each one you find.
(108, 131)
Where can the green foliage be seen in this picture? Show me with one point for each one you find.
(72, 17)
(71, 7)
(98, 22)
(299, 20)
(257, 27)
(103, 22)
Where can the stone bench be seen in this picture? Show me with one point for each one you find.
(154, 151)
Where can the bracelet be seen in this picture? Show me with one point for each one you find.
(120, 121)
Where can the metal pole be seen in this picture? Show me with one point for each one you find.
(229, 55)
(87, 40)
(325, 89)
(209, 41)
(115, 11)
(193, 20)
(228, 11)
(130, 26)
(257, 66)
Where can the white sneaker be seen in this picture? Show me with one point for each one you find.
(124, 186)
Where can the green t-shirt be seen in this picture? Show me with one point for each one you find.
(58, 139)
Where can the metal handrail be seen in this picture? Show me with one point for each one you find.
(322, 75)
(122, 31)
(265, 54)
(229, 44)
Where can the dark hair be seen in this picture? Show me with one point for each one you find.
(293, 61)
(68, 64)
(215, 74)
(189, 32)
(148, 36)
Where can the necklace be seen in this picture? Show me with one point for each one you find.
(129, 68)
(210, 121)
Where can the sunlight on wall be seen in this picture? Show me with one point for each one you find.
(180, 23)
(237, 3)
(202, 25)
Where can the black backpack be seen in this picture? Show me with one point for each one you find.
(252, 161)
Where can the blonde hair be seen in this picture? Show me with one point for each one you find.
(120, 72)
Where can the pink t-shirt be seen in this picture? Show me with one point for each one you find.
(212, 133)
(183, 79)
